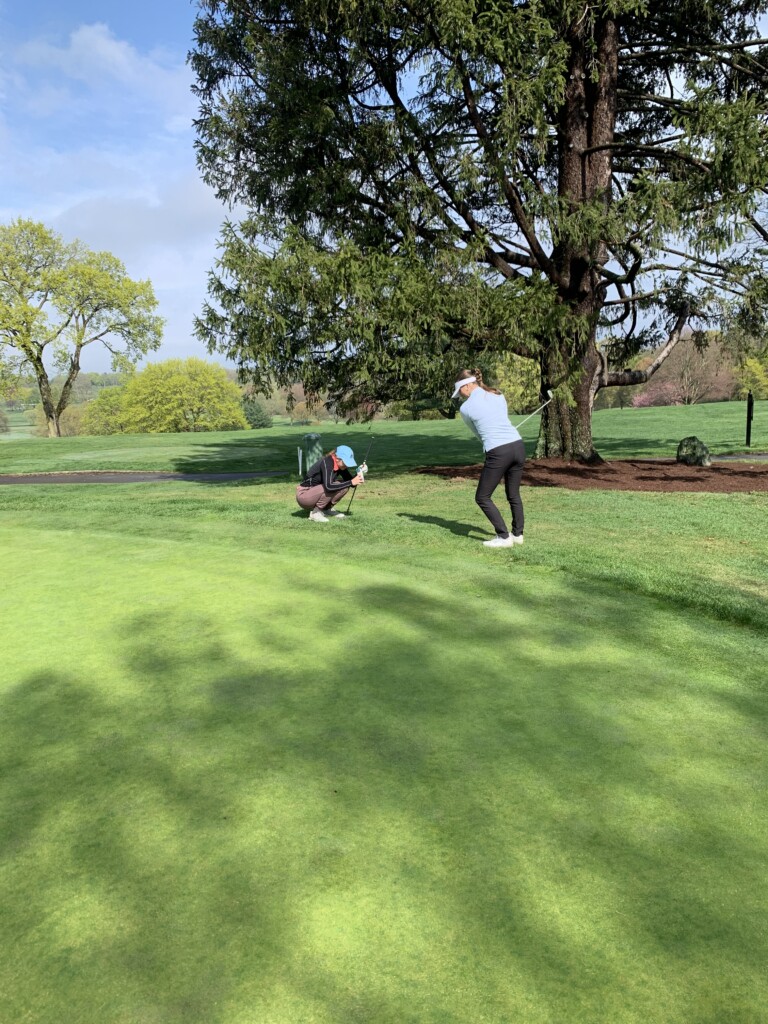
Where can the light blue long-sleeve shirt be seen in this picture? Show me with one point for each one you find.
(486, 416)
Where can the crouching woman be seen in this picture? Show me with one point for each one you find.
(326, 483)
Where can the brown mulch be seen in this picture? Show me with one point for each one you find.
(630, 475)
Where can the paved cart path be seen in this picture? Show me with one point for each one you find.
(757, 457)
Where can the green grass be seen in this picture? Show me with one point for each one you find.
(627, 433)
(259, 771)
(619, 433)
(21, 426)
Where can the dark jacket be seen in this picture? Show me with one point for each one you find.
(322, 472)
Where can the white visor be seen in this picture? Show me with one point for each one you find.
(460, 384)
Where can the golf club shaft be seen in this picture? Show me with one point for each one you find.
(530, 414)
(365, 463)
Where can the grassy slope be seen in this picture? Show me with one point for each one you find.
(618, 434)
(257, 770)
(624, 433)
(21, 426)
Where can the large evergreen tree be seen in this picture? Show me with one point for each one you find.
(427, 183)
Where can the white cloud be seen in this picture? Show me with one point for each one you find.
(48, 179)
(93, 116)
(97, 143)
(169, 238)
(181, 213)
(104, 65)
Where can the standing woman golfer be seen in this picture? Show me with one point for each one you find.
(326, 483)
(485, 413)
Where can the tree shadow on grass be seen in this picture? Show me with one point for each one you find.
(430, 823)
(275, 451)
(247, 452)
(628, 447)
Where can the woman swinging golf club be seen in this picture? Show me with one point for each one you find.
(326, 483)
(485, 413)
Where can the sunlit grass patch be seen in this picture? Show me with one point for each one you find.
(258, 769)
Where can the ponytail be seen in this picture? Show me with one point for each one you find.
(478, 375)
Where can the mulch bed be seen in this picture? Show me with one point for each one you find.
(630, 475)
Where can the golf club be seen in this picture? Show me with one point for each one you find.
(549, 399)
(364, 463)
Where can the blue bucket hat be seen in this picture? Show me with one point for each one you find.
(347, 456)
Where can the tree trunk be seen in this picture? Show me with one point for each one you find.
(54, 410)
(566, 427)
(66, 391)
(586, 132)
(46, 397)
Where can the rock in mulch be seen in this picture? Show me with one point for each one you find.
(693, 452)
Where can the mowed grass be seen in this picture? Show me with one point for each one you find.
(618, 433)
(255, 770)
(20, 426)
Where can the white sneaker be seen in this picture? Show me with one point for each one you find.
(516, 540)
(333, 514)
(317, 516)
(499, 542)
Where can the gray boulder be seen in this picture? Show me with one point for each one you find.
(693, 452)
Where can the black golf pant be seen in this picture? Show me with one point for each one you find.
(505, 462)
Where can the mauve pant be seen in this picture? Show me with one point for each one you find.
(505, 461)
(317, 497)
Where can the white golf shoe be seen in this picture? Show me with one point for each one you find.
(499, 542)
(317, 516)
(333, 514)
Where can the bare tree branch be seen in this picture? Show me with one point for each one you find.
(624, 378)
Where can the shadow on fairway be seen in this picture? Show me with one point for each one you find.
(460, 529)
(276, 451)
(292, 828)
(251, 451)
(626, 448)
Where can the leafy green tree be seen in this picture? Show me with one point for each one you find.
(518, 378)
(753, 376)
(88, 385)
(256, 414)
(12, 377)
(57, 298)
(435, 181)
(19, 391)
(181, 395)
(70, 421)
(104, 414)
(418, 409)
(300, 414)
(615, 398)
(4, 424)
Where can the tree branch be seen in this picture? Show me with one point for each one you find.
(510, 192)
(695, 50)
(625, 378)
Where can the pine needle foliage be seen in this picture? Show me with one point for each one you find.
(427, 184)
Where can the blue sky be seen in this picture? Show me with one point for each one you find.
(96, 140)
